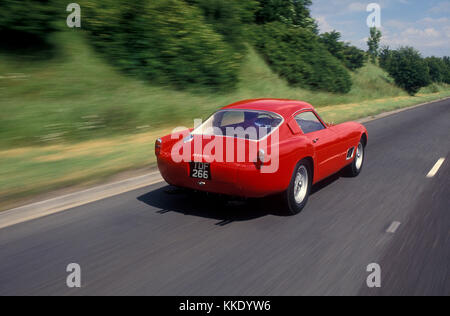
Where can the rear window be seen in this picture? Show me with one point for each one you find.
(253, 125)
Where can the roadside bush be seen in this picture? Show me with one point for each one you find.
(296, 54)
(407, 67)
(164, 41)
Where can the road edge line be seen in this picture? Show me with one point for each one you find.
(393, 112)
(59, 204)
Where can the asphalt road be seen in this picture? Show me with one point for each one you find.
(153, 241)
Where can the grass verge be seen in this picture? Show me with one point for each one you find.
(34, 170)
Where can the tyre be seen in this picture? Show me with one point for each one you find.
(299, 189)
(355, 168)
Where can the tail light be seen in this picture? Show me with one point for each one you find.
(158, 145)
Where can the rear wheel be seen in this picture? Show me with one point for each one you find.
(299, 189)
(355, 168)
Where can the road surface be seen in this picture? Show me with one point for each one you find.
(154, 241)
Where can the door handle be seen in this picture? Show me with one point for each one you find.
(315, 140)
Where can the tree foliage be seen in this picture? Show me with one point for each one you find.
(332, 41)
(164, 41)
(297, 55)
(374, 43)
(352, 57)
(437, 69)
(35, 18)
(446, 61)
(385, 55)
(291, 12)
(228, 17)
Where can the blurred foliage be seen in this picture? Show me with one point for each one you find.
(352, 57)
(27, 25)
(164, 41)
(31, 17)
(406, 65)
(228, 18)
(297, 55)
(202, 43)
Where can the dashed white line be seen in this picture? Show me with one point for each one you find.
(436, 168)
(393, 228)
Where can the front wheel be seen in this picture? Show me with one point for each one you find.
(355, 168)
(299, 189)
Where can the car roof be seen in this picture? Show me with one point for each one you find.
(283, 107)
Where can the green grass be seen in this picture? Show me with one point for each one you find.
(72, 118)
(76, 96)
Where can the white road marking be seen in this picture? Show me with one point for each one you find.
(436, 168)
(393, 228)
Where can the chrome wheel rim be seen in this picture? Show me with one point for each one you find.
(301, 184)
(359, 156)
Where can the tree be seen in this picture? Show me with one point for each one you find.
(374, 43)
(228, 17)
(273, 11)
(296, 54)
(446, 61)
(408, 68)
(331, 40)
(302, 15)
(437, 69)
(385, 57)
(352, 57)
(162, 41)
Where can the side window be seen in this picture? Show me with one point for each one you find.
(309, 122)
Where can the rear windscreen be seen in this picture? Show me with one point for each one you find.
(253, 125)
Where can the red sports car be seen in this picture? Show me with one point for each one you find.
(257, 148)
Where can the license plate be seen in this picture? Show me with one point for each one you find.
(200, 170)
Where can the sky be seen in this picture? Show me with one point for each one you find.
(425, 24)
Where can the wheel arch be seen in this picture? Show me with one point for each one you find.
(364, 139)
(310, 161)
